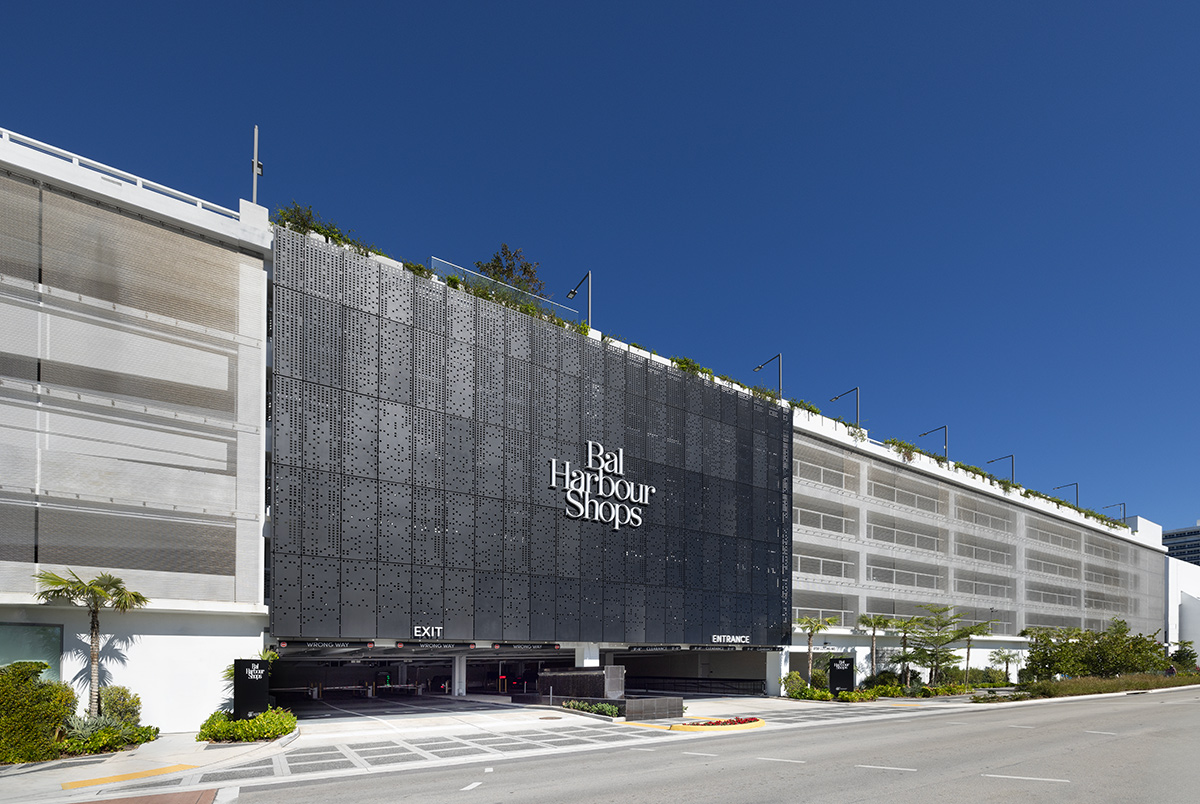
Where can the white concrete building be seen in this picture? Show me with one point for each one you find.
(134, 357)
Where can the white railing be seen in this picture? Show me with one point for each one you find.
(113, 173)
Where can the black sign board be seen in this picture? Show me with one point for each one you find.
(437, 645)
(841, 674)
(649, 648)
(524, 646)
(250, 688)
(762, 648)
(712, 647)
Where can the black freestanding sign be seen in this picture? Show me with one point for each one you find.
(250, 688)
(841, 674)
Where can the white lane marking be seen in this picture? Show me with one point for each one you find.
(487, 770)
(699, 754)
(643, 749)
(227, 795)
(471, 786)
(957, 723)
(1111, 733)
(1011, 726)
(776, 759)
(885, 767)
(1024, 778)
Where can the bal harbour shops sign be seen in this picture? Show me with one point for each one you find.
(599, 492)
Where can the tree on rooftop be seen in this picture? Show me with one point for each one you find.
(511, 267)
(103, 591)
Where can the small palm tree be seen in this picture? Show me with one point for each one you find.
(875, 622)
(1005, 657)
(103, 591)
(813, 626)
(968, 633)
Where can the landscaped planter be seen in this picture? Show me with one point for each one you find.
(731, 724)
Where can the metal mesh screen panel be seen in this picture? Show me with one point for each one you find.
(142, 360)
(473, 401)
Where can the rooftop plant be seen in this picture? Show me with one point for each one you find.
(304, 220)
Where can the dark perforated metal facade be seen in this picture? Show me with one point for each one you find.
(414, 426)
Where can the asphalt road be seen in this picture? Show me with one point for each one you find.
(1134, 748)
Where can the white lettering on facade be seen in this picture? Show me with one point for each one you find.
(600, 492)
(427, 631)
(743, 639)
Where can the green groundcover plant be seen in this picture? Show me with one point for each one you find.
(274, 722)
(608, 710)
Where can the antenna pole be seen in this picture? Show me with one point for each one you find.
(256, 169)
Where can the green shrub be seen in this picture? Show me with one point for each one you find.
(857, 696)
(81, 727)
(121, 704)
(1093, 686)
(109, 738)
(792, 682)
(32, 713)
(884, 678)
(811, 694)
(274, 722)
(608, 710)
(820, 679)
(888, 691)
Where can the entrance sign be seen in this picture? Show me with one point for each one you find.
(599, 492)
(251, 688)
(841, 674)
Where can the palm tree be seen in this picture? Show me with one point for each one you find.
(103, 591)
(968, 632)
(906, 626)
(813, 626)
(875, 622)
(1006, 657)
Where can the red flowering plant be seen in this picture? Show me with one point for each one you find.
(734, 721)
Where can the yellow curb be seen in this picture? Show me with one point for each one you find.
(734, 727)
(124, 777)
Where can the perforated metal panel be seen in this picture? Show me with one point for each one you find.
(438, 414)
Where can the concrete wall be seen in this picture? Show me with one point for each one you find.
(173, 660)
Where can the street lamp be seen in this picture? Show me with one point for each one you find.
(571, 295)
(853, 390)
(1114, 505)
(1012, 466)
(1065, 485)
(778, 357)
(945, 440)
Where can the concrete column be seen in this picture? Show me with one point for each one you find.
(458, 679)
(587, 654)
(778, 666)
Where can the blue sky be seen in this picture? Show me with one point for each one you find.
(983, 214)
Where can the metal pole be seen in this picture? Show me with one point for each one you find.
(781, 376)
(589, 321)
(254, 170)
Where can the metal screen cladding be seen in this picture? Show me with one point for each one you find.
(417, 430)
(131, 402)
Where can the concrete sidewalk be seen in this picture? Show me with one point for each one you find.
(155, 762)
(365, 736)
